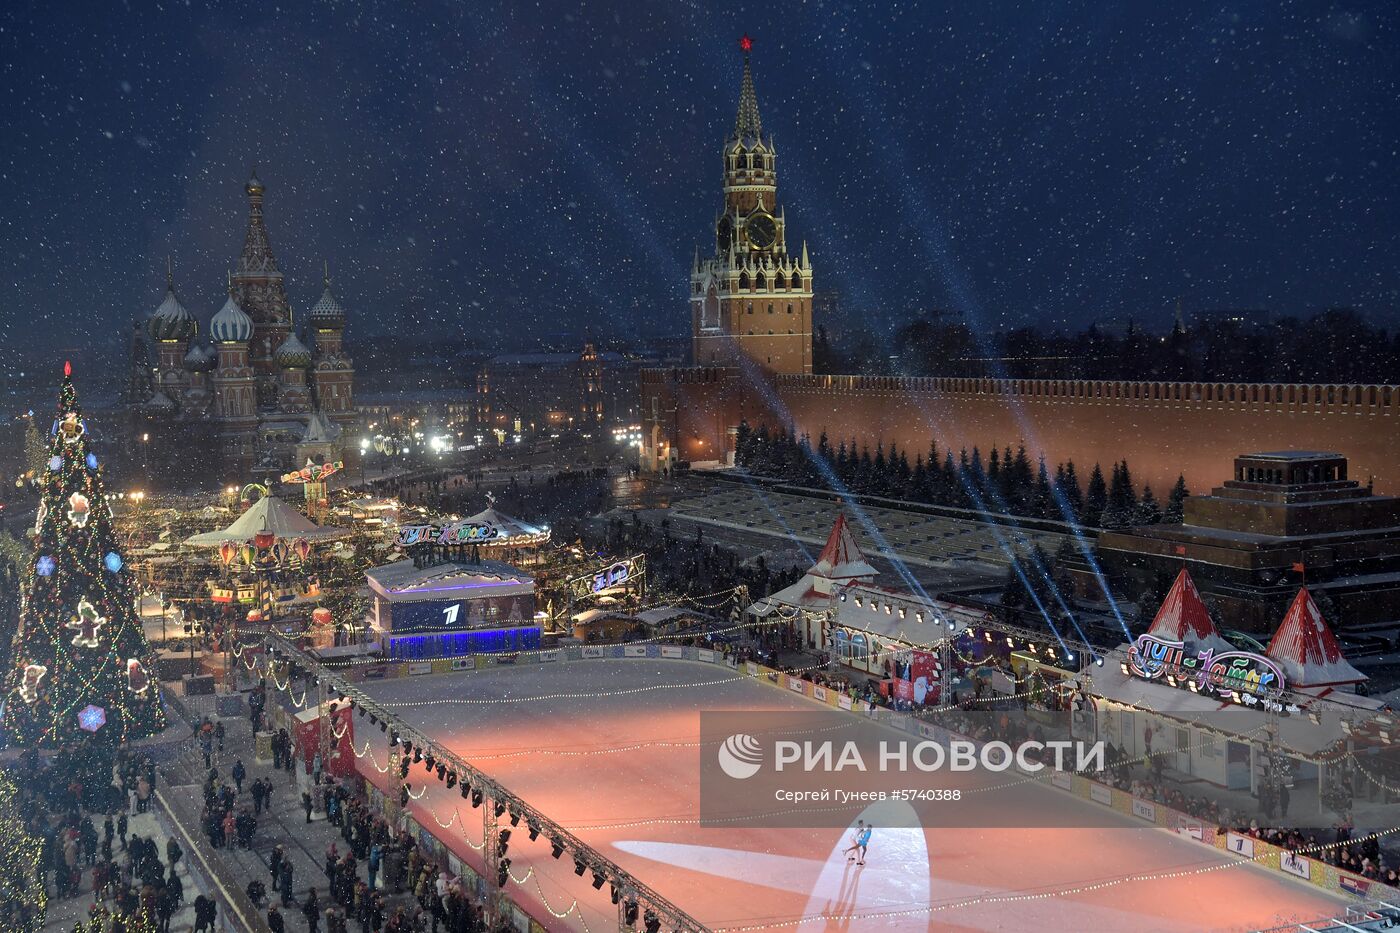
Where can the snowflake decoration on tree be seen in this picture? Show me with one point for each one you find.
(91, 718)
(29, 689)
(87, 625)
(78, 510)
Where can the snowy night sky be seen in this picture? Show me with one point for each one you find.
(490, 168)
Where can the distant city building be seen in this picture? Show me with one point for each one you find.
(1283, 517)
(259, 395)
(555, 391)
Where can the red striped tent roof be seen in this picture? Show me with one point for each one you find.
(1306, 649)
(841, 559)
(1184, 617)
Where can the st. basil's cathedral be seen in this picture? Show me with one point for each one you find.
(258, 398)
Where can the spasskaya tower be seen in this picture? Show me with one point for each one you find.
(753, 298)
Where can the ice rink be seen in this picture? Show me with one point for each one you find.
(576, 759)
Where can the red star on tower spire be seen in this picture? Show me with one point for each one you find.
(746, 43)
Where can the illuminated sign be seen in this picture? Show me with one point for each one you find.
(1249, 676)
(613, 576)
(313, 472)
(618, 573)
(463, 532)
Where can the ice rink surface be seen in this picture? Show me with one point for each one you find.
(591, 760)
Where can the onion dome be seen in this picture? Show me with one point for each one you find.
(254, 185)
(293, 354)
(327, 312)
(231, 324)
(199, 359)
(171, 321)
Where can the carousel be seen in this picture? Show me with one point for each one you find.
(264, 555)
(489, 534)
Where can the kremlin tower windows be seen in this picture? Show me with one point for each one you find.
(751, 256)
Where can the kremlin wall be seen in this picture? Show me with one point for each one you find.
(1161, 429)
(751, 334)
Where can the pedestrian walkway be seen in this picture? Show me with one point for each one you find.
(283, 822)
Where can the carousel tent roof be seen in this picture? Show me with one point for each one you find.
(1184, 617)
(268, 514)
(319, 430)
(1306, 649)
(511, 527)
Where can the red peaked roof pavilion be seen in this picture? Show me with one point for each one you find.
(841, 559)
(1306, 649)
(1184, 617)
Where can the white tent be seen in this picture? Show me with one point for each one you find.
(509, 529)
(269, 515)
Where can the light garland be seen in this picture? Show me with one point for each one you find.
(483, 701)
(1044, 895)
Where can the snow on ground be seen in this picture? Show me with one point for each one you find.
(742, 877)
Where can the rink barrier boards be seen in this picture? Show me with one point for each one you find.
(1316, 872)
(472, 881)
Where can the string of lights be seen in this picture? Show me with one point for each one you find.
(491, 701)
(452, 770)
(1085, 888)
(21, 868)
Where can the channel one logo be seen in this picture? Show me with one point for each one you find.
(822, 768)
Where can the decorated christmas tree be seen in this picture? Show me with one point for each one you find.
(22, 895)
(83, 671)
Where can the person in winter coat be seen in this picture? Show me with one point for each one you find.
(311, 910)
(285, 882)
(205, 912)
(173, 852)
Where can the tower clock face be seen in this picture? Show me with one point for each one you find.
(762, 230)
(724, 234)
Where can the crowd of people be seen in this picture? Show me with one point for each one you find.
(134, 882)
(80, 805)
(402, 889)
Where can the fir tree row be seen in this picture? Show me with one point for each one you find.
(1003, 482)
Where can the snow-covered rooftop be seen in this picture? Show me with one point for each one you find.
(403, 581)
(1306, 649)
(1183, 617)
